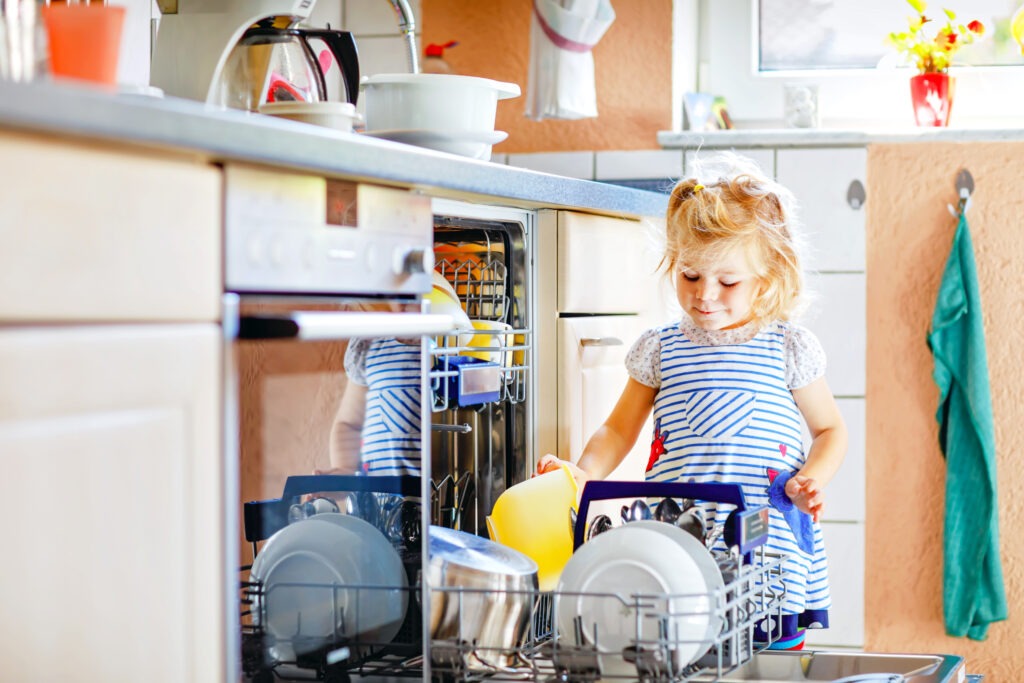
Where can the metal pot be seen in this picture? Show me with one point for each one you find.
(481, 599)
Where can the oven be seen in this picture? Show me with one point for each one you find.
(340, 361)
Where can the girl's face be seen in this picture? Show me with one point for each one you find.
(719, 295)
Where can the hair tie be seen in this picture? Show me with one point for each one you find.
(697, 188)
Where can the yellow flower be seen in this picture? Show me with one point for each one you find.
(933, 52)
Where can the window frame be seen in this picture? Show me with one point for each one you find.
(727, 65)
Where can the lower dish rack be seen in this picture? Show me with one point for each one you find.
(324, 633)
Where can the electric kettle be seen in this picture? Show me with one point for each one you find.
(279, 65)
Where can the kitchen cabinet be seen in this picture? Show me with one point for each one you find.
(598, 289)
(111, 436)
(828, 184)
(110, 448)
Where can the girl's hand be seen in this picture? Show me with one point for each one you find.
(550, 463)
(806, 495)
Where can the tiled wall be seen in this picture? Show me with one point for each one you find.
(651, 169)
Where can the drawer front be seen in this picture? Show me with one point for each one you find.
(90, 234)
(605, 265)
(845, 546)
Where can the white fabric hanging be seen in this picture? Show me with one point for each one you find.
(562, 34)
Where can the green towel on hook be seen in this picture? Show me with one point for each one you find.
(973, 594)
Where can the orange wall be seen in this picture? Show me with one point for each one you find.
(909, 236)
(632, 67)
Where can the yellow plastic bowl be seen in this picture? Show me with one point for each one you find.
(533, 518)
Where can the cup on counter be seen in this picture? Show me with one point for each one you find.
(22, 41)
(84, 41)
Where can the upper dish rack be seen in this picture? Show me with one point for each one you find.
(475, 264)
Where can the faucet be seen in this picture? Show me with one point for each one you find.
(407, 27)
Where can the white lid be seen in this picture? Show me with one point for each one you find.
(504, 90)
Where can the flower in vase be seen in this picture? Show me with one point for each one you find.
(930, 46)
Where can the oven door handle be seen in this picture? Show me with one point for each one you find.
(336, 326)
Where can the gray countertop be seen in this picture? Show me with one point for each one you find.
(217, 135)
(829, 137)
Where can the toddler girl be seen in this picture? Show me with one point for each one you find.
(730, 382)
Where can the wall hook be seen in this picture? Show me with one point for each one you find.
(964, 189)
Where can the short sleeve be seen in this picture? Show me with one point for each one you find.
(805, 357)
(355, 360)
(643, 360)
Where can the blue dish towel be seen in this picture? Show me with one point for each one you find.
(800, 523)
(973, 593)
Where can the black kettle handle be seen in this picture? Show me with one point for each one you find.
(343, 47)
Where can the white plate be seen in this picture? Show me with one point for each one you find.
(380, 611)
(600, 579)
(476, 145)
(298, 567)
(712, 579)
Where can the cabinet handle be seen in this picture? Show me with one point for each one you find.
(856, 195)
(600, 341)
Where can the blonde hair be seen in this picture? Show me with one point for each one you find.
(730, 203)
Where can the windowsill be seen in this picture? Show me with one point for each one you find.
(832, 137)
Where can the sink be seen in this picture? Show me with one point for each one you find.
(786, 667)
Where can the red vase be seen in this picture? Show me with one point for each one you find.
(932, 95)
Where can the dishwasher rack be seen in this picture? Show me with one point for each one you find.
(480, 278)
(753, 591)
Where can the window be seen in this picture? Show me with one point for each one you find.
(850, 34)
(851, 94)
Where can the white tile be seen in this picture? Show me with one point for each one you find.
(567, 164)
(376, 17)
(382, 55)
(764, 158)
(637, 164)
(326, 13)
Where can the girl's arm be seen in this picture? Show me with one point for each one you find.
(615, 438)
(828, 446)
(347, 431)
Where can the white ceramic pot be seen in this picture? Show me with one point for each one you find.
(445, 103)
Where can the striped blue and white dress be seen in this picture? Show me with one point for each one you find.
(392, 427)
(725, 412)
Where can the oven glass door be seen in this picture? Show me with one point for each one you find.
(328, 564)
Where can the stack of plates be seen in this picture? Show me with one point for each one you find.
(673, 571)
(475, 145)
(327, 579)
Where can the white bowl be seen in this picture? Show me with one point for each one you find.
(445, 103)
(337, 115)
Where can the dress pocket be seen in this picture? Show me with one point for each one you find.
(720, 413)
(399, 412)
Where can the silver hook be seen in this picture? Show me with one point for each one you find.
(964, 187)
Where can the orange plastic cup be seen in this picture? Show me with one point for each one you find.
(85, 41)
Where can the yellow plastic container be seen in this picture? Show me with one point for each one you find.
(533, 518)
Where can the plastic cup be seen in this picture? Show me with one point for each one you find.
(533, 518)
(84, 41)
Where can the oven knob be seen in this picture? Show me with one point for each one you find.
(413, 261)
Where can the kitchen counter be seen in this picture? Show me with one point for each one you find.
(218, 135)
(828, 137)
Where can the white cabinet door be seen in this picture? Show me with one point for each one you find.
(845, 494)
(838, 316)
(112, 496)
(605, 265)
(820, 179)
(592, 375)
(844, 543)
